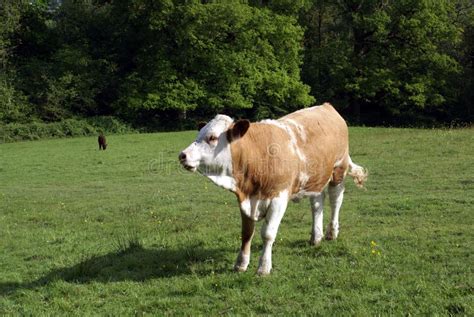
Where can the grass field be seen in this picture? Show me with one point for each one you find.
(128, 232)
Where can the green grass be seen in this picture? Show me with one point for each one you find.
(126, 231)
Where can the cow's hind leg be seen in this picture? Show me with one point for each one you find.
(243, 259)
(336, 196)
(317, 203)
(275, 213)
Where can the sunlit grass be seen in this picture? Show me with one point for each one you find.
(126, 231)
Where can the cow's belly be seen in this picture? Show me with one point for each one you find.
(296, 197)
(308, 185)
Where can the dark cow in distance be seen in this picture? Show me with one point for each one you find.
(102, 142)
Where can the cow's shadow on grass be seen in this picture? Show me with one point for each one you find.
(134, 263)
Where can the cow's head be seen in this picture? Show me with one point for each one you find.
(210, 153)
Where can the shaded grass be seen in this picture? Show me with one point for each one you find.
(126, 231)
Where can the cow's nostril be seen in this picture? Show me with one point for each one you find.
(182, 156)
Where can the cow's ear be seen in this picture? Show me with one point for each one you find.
(238, 130)
(201, 125)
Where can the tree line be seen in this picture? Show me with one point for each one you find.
(169, 63)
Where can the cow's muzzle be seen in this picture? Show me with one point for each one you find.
(182, 160)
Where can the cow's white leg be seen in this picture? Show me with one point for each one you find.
(275, 213)
(317, 203)
(243, 259)
(336, 195)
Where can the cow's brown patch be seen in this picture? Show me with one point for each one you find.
(265, 161)
(257, 173)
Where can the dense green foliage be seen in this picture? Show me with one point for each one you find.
(128, 232)
(166, 63)
(391, 60)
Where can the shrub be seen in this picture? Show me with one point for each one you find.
(67, 128)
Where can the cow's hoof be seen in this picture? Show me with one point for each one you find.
(331, 234)
(264, 268)
(316, 241)
(238, 268)
(263, 272)
(242, 262)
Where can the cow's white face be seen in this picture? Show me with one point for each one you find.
(210, 153)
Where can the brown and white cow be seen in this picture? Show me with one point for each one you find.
(269, 162)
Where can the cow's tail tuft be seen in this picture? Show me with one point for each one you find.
(358, 173)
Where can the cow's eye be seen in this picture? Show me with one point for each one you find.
(212, 138)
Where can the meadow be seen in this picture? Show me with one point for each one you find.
(126, 231)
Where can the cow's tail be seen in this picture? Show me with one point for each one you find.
(358, 173)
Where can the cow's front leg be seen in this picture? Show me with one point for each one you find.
(275, 213)
(243, 259)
